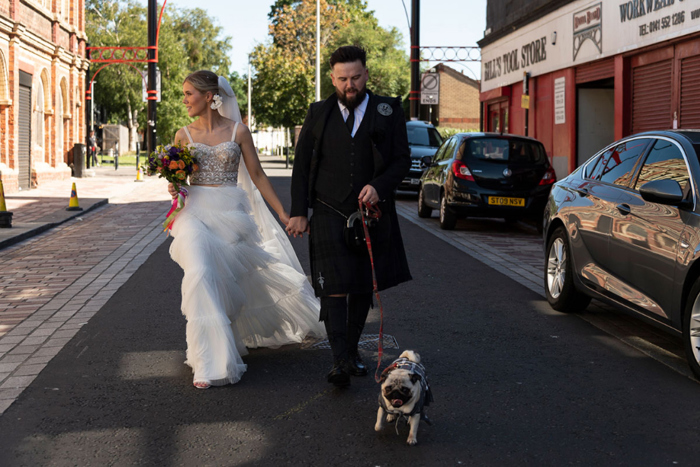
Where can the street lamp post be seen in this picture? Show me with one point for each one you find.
(414, 96)
(151, 94)
(318, 50)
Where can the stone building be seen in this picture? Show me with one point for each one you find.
(42, 82)
(459, 104)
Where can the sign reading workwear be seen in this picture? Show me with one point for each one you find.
(583, 31)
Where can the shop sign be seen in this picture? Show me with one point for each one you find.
(516, 59)
(588, 25)
(560, 101)
(579, 28)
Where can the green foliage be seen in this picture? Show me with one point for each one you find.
(284, 82)
(446, 132)
(388, 65)
(189, 41)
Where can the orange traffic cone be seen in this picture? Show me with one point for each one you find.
(73, 203)
(5, 216)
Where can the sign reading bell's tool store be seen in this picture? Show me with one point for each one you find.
(583, 31)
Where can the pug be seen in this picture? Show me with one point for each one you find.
(404, 393)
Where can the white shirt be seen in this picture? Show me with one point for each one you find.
(359, 113)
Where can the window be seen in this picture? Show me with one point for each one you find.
(38, 130)
(665, 162)
(445, 150)
(620, 163)
(507, 150)
(423, 136)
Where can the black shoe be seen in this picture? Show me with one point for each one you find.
(356, 366)
(339, 376)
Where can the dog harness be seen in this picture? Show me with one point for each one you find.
(426, 395)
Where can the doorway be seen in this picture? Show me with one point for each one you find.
(595, 118)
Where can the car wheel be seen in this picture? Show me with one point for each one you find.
(691, 329)
(558, 276)
(424, 211)
(448, 219)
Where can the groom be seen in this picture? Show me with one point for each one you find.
(353, 146)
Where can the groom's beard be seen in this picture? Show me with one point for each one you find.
(351, 102)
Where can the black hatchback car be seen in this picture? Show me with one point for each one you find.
(486, 175)
(625, 228)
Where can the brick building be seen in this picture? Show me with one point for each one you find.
(459, 104)
(42, 82)
(594, 71)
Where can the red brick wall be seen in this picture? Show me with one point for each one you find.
(46, 25)
(459, 102)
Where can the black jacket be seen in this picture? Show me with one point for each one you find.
(391, 155)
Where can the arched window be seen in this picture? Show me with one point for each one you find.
(38, 124)
(4, 86)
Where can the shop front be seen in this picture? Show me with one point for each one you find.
(593, 72)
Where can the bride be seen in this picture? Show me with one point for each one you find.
(243, 285)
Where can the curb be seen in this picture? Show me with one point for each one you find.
(20, 232)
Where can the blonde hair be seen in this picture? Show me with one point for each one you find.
(204, 81)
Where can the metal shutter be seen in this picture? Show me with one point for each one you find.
(651, 96)
(595, 71)
(690, 93)
(25, 136)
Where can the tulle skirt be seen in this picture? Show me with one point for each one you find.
(237, 292)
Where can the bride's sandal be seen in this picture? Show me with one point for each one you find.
(202, 385)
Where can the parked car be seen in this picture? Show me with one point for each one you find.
(624, 228)
(423, 140)
(486, 175)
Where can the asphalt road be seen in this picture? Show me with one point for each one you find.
(514, 383)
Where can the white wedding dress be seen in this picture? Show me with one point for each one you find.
(243, 285)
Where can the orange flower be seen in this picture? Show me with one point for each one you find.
(181, 164)
(173, 165)
(180, 174)
(195, 167)
(159, 169)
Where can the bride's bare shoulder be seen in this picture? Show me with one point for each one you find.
(181, 137)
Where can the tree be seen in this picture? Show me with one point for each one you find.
(388, 65)
(285, 67)
(189, 41)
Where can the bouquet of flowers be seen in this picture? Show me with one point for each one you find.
(174, 163)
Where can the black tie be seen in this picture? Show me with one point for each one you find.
(350, 121)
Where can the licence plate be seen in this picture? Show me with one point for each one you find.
(415, 181)
(503, 201)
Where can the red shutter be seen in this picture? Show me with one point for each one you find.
(601, 69)
(690, 93)
(651, 96)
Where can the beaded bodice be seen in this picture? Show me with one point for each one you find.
(218, 165)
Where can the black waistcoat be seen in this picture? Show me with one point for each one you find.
(346, 164)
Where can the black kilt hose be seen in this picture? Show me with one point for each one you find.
(337, 269)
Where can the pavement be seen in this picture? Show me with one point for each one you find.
(59, 268)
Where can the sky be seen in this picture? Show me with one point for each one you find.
(443, 23)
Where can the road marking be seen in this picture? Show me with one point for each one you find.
(298, 408)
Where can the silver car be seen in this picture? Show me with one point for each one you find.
(624, 228)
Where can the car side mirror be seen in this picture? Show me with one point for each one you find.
(662, 192)
(426, 161)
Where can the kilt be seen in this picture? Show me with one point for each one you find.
(336, 269)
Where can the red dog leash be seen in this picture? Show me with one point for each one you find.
(372, 212)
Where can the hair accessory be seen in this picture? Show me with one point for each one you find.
(216, 102)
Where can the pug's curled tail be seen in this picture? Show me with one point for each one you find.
(411, 355)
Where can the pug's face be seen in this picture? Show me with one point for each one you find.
(401, 389)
